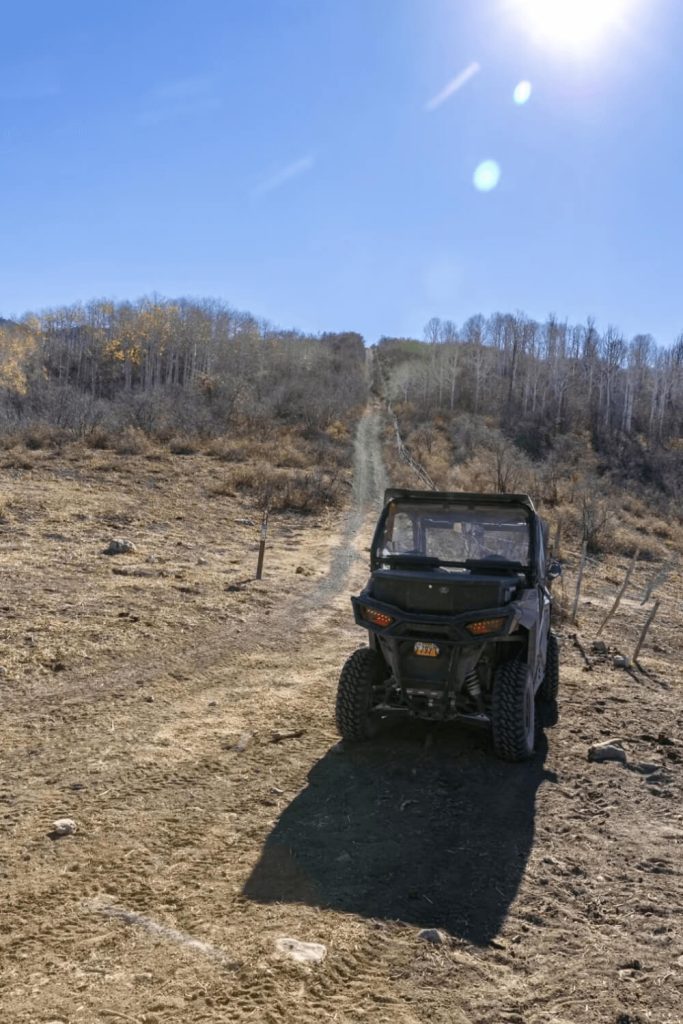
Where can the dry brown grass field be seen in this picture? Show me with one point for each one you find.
(182, 715)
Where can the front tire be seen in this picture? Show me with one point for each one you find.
(513, 711)
(551, 678)
(360, 678)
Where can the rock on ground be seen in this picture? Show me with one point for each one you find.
(119, 546)
(64, 827)
(610, 750)
(302, 952)
(433, 935)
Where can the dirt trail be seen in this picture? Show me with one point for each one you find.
(369, 483)
(217, 813)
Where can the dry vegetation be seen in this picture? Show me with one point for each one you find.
(146, 696)
(181, 713)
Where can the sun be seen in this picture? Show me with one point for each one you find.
(572, 24)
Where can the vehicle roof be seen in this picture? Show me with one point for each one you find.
(458, 497)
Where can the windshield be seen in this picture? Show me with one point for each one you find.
(456, 535)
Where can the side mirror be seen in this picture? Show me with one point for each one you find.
(554, 570)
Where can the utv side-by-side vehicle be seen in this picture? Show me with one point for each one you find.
(457, 609)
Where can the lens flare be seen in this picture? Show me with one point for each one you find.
(486, 176)
(572, 24)
(522, 93)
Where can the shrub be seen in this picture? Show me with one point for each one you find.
(132, 441)
(283, 490)
(179, 445)
(43, 436)
(99, 439)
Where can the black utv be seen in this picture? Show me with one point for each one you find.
(457, 610)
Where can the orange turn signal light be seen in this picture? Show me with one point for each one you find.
(377, 618)
(484, 626)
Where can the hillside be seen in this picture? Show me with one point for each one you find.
(181, 713)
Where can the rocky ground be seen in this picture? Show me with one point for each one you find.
(181, 715)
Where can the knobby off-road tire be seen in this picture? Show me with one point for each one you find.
(551, 678)
(361, 675)
(513, 712)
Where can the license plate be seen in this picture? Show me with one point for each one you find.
(426, 650)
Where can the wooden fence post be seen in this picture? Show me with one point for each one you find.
(262, 544)
(622, 591)
(575, 607)
(557, 541)
(648, 623)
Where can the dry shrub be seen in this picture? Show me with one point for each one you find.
(4, 510)
(132, 441)
(226, 450)
(98, 439)
(282, 489)
(623, 540)
(182, 445)
(18, 460)
(338, 431)
(43, 436)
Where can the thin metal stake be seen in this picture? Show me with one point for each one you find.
(262, 544)
(575, 607)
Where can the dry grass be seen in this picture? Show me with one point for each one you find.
(283, 489)
(128, 682)
(132, 441)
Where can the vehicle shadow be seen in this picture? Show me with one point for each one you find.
(433, 834)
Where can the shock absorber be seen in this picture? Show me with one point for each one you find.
(473, 688)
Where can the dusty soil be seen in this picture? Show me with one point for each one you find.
(182, 715)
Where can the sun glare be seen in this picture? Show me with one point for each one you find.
(574, 24)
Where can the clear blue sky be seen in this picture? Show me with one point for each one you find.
(298, 158)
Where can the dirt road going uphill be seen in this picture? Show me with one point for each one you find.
(189, 733)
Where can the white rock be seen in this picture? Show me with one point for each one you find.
(64, 827)
(610, 750)
(302, 952)
(621, 661)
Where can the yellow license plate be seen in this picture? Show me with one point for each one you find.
(426, 650)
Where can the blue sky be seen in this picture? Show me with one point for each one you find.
(302, 159)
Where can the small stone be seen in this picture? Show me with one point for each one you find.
(63, 827)
(3, 671)
(119, 546)
(610, 750)
(244, 522)
(202, 561)
(599, 647)
(433, 935)
(302, 952)
(243, 742)
(300, 570)
(621, 661)
(647, 768)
